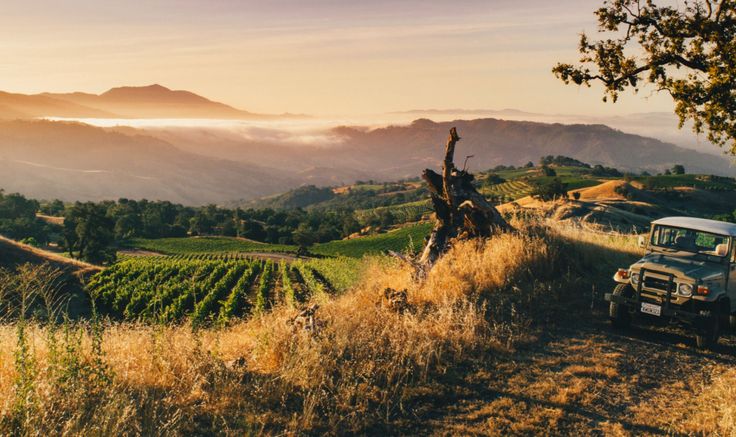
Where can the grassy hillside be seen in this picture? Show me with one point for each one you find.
(13, 253)
(403, 239)
(396, 240)
(373, 357)
(61, 279)
(407, 201)
(703, 182)
(188, 245)
(628, 206)
(451, 353)
(520, 182)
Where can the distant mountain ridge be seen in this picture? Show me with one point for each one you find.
(152, 101)
(76, 161)
(405, 150)
(660, 125)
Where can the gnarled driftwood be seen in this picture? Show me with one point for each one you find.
(461, 211)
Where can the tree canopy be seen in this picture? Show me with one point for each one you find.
(686, 50)
(88, 231)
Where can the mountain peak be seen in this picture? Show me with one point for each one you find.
(154, 87)
(155, 92)
(147, 101)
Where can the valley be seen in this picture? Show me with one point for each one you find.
(48, 153)
(309, 218)
(555, 365)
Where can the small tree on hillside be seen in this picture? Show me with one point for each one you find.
(304, 237)
(89, 233)
(548, 171)
(555, 189)
(493, 179)
(678, 169)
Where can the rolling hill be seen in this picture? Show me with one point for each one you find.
(70, 274)
(348, 153)
(403, 150)
(152, 101)
(21, 106)
(241, 161)
(155, 101)
(73, 161)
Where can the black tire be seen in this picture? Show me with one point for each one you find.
(708, 336)
(618, 313)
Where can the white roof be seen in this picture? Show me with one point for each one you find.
(699, 224)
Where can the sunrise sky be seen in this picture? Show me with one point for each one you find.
(316, 57)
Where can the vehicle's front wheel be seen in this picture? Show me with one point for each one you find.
(708, 336)
(619, 313)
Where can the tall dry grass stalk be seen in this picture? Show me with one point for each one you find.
(713, 412)
(360, 369)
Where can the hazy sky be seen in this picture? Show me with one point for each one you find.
(318, 57)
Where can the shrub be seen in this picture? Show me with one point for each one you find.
(624, 190)
(550, 190)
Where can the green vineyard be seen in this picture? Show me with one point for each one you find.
(205, 288)
(402, 213)
(511, 190)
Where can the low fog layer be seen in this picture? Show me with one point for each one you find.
(316, 131)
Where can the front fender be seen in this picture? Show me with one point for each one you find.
(620, 279)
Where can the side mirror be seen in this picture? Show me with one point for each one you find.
(642, 242)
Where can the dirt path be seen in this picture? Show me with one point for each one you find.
(584, 379)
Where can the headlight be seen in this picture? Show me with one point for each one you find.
(634, 279)
(685, 290)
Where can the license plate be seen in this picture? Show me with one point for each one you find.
(648, 308)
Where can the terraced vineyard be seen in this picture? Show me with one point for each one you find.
(403, 213)
(203, 288)
(510, 190)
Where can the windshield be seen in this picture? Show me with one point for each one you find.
(689, 240)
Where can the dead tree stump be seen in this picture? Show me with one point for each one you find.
(461, 212)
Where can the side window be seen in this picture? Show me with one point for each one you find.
(707, 241)
(667, 236)
(655, 236)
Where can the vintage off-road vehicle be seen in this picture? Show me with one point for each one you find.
(688, 275)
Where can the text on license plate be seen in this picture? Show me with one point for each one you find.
(652, 309)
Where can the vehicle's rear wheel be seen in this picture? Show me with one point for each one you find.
(619, 313)
(707, 337)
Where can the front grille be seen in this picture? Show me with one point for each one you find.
(656, 284)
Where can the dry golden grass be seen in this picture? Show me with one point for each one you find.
(16, 248)
(713, 410)
(365, 367)
(354, 373)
